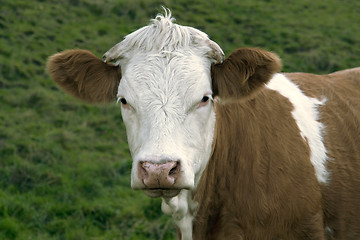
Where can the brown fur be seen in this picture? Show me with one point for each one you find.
(82, 74)
(260, 183)
(341, 117)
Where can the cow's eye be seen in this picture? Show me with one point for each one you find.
(123, 101)
(205, 99)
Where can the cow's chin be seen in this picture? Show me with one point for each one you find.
(159, 192)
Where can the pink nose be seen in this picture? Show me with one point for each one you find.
(159, 175)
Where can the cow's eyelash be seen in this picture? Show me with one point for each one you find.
(206, 98)
(122, 100)
(124, 103)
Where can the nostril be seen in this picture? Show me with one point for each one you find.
(142, 166)
(175, 170)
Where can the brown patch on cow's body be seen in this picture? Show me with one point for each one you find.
(341, 117)
(260, 183)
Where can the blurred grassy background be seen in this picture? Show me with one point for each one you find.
(65, 165)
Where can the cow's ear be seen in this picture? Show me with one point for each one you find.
(243, 72)
(85, 76)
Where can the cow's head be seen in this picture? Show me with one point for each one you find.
(165, 76)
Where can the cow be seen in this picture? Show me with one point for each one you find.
(235, 148)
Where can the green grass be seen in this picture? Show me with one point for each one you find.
(65, 165)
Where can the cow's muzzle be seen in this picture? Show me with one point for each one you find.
(160, 179)
(159, 175)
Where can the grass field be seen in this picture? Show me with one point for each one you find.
(65, 165)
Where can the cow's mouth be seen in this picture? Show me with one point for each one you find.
(161, 192)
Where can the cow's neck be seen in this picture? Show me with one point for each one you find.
(183, 207)
(250, 138)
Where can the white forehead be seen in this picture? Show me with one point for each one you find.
(163, 60)
(165, 70)
(166, 74)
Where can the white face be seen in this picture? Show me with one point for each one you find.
(169, 117)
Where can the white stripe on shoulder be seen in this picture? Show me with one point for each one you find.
(305, 114)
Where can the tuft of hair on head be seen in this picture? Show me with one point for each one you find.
(243, 73)
(167, 14)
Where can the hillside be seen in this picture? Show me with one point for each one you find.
(65, 165)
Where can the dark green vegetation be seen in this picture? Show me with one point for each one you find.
(65, 165)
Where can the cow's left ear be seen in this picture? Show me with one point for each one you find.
(243, 72)
(85, 76)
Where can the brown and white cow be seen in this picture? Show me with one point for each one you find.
(235, 149)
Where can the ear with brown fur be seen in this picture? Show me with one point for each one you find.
(244, 72)
(85, 76)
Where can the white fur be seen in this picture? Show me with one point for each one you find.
(164, 36)
(164, 121)
(182, 208)
(165, 74)
(305, 114)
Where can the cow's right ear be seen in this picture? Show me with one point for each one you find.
(243, 72)
(85, 76)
